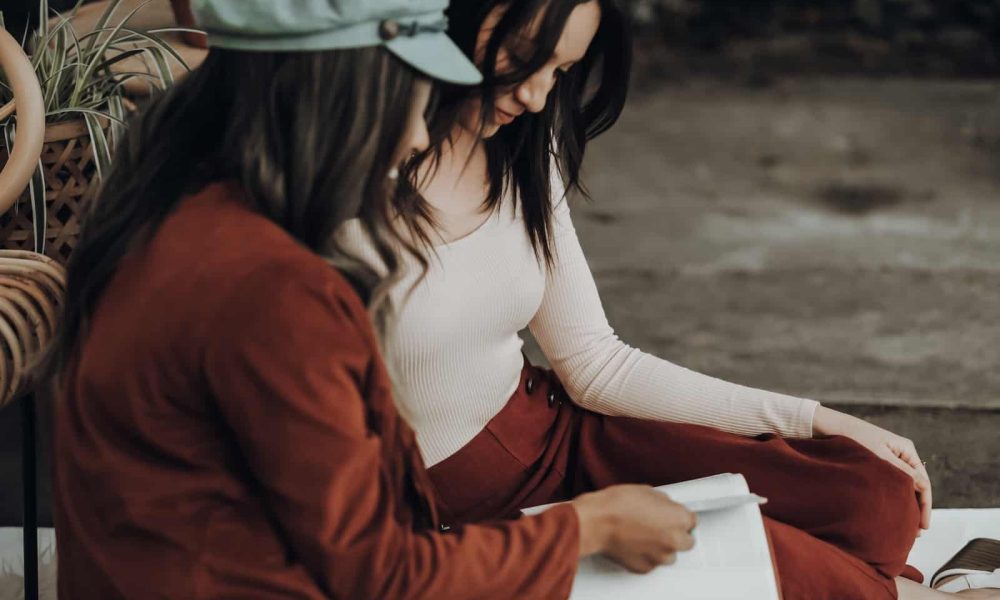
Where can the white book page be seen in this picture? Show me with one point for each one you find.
(716, 486)
(730, 558)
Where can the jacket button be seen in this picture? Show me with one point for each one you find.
(530, 385)
(552, 398)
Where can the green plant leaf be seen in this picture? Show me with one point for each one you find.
(40, 42)
(36, 190)
(84, 112)
(94, 55)
(160, 30)
(116, 110)
(162, 67)
(51, 80)
(43, 18)
(98, 144)
(148, 36)
(39, 211)
(8, 136)
(117, 80)
(58, 67)
(106, 64)
(102, 23)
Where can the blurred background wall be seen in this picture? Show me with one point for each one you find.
(918, 37)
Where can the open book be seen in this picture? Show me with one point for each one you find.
(730, 558)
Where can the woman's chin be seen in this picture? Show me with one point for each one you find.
(489, 130)
(480, 130)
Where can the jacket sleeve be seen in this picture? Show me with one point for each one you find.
(285, 363)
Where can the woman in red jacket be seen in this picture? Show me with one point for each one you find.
(224, 424)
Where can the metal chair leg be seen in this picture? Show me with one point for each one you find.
(29, 484)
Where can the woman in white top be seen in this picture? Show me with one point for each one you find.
(500, 253)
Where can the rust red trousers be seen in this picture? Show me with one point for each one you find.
(841, 520)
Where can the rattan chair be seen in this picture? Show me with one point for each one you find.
(31, 285)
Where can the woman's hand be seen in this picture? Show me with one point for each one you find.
(634, 525)
(893, 448)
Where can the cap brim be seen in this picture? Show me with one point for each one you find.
(436, 56)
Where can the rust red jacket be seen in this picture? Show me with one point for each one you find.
(227, 431)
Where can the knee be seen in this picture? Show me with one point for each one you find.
(811, 569)
(882, 521)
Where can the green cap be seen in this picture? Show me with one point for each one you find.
(413, 30)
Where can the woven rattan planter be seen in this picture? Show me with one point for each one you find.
(70, 181)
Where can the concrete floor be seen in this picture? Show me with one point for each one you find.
(832, 238)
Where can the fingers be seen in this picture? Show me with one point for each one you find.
(677, 537)
(683, 518)
(926, 499)
(644, 561)
(907, 452)
(924, 489)
(926, 504)
(900, 464)
(682, 538)
(665, 558)
(647, 562)
(921, 483)
(692, 520)
(682, 541)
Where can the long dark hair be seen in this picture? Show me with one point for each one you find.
(309, 136)
(584, 103)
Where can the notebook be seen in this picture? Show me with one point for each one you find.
(730, 559)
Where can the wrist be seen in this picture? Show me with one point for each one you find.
(594, 524)
(827, 421)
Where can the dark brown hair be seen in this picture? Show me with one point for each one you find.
(584, 103)
(309, 136)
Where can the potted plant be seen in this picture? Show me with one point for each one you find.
(85, 105)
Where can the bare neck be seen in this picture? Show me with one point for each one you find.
(458, 185)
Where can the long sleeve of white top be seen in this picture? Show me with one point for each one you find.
(603, 374)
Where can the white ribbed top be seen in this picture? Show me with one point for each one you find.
(457, 353)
